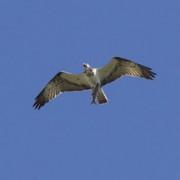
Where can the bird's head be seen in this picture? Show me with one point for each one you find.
(87, 68)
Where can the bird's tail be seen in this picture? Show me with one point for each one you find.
(101, 96)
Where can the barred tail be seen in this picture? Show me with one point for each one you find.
(101, 96)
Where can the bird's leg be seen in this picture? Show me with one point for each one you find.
(94, 94)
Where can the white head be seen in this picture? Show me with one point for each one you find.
(87, 68)
(86, 65)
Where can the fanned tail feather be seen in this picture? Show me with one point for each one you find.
(101, 96)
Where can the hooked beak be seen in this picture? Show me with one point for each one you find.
(85, 65)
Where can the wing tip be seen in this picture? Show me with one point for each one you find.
(40, 101)
(148, 73)
(47, 94)
(38, 104)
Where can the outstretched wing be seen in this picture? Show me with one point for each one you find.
(120, 67)
(61, 82)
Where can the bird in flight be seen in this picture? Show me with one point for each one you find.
(93, 79)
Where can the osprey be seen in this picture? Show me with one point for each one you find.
(92, 78)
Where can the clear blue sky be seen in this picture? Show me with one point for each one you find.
(135, 136)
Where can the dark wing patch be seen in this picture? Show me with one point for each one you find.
(134, 69)
(123, 67)
(61, 82)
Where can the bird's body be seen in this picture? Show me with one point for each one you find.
(92, 78)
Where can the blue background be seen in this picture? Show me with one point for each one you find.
(135, 136)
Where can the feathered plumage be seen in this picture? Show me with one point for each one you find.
(92, 78)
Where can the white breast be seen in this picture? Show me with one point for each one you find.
(94, 79)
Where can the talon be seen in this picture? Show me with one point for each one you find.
(94, 94)
(93, 101)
